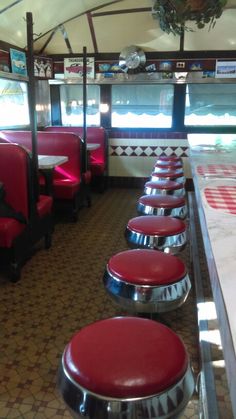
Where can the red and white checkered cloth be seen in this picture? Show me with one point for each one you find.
(217, 169)
(222, 198)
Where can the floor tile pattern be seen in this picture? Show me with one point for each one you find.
(61, 291)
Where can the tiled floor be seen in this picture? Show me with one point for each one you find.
(61, 291)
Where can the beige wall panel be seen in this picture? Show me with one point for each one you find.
(129, 162)
(127, 167)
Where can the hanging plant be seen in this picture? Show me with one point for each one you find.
(173, 14)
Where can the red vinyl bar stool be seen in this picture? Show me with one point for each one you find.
(146, 281)
(164, 187)
(168, 174)
(174, 206)
(125, 367)
(167, 234)
(170, 158)
(168, 164)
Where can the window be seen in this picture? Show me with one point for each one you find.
(147, 106)
(72, 105)
(210, 104)
(14, 110)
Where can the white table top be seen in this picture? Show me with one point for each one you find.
(219, 235)
(49, 162)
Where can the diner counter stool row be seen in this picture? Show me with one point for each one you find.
(131, 367)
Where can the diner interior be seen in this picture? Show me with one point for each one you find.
(117, 209)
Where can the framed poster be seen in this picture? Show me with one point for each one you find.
(18, 62)
(4, 61)
(225, 69)
(43, 67)
(73, 68)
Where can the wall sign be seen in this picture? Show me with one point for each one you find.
(43, 67)
(4, 61)
(73, 68)
(225, 69)
(18, 62)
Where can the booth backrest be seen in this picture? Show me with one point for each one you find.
(19, 137)
(53, 144)
(14, 174)
(94, 135)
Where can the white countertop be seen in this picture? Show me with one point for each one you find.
(219, 236)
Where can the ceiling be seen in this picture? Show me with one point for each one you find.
(104, 26)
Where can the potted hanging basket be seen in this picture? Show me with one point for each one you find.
(173, 14)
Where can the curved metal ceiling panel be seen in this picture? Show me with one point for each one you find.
(140, 29)
(221, 37)
(104, 26)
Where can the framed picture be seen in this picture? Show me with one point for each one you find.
(165, 66)
(18, 62)
(225, 69)
(43, 67)
(4, 61)
(73, 68)
(196, 66)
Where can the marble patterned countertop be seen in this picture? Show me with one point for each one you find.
(219, 236)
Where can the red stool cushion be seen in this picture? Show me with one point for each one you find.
(156, 225)
(168, 164)
(168, 173)
(162, 201)
(164, 184)
(126, 357)
(169, 158)
(146, 267)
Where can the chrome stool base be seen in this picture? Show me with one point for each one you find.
(147, 299)
(167, 234)
(146, 281)
(164, 187)
(84, 404)
(177, 177)
(167, 205)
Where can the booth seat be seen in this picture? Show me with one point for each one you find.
(98, 157)
(23, 219)
(68, 186)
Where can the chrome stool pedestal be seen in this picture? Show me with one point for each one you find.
(164, 187)
(168, 174)
(163, 233)
(147, 281)
(173, 165)
(173, 206)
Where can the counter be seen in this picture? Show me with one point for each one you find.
(214, 177)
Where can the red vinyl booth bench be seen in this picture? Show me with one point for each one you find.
(68, 184)
(23, 221)
(98, 157)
